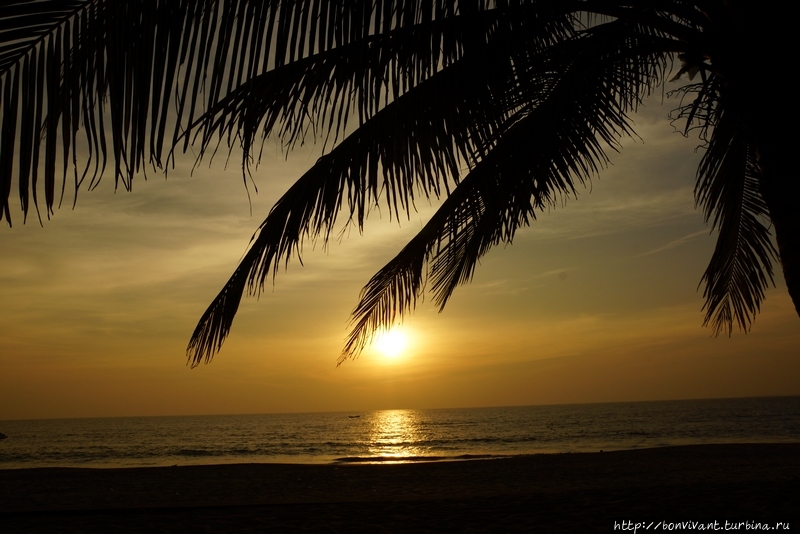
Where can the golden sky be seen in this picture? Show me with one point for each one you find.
(597, 301)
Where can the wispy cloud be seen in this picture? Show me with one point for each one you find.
(675, 243)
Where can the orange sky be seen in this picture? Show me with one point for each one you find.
(596, 301)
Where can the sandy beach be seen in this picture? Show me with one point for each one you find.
(586, 492)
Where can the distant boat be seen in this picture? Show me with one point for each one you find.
(353, 416)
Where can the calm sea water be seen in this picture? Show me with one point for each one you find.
(395, 435)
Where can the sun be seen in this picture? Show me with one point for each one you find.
(392, 343)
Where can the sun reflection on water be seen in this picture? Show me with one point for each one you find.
(397, 434)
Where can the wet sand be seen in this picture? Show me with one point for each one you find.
(544, 493)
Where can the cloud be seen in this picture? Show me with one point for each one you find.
(675, 243)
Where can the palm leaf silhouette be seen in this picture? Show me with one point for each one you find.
(499, 108)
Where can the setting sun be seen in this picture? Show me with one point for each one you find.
(391, 343)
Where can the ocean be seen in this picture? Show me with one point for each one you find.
(395, 435)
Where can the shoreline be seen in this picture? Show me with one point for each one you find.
(371, 460)
(547, 491)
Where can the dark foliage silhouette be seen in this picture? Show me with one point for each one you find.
(499, 108)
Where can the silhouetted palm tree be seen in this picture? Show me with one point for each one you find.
(501, 108)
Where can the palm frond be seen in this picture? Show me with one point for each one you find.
(319, 93)
(542, 153)
(527, 95)
(62, 63)
(415, 143)
(31, 51)
(115, 67)
(728, 189)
